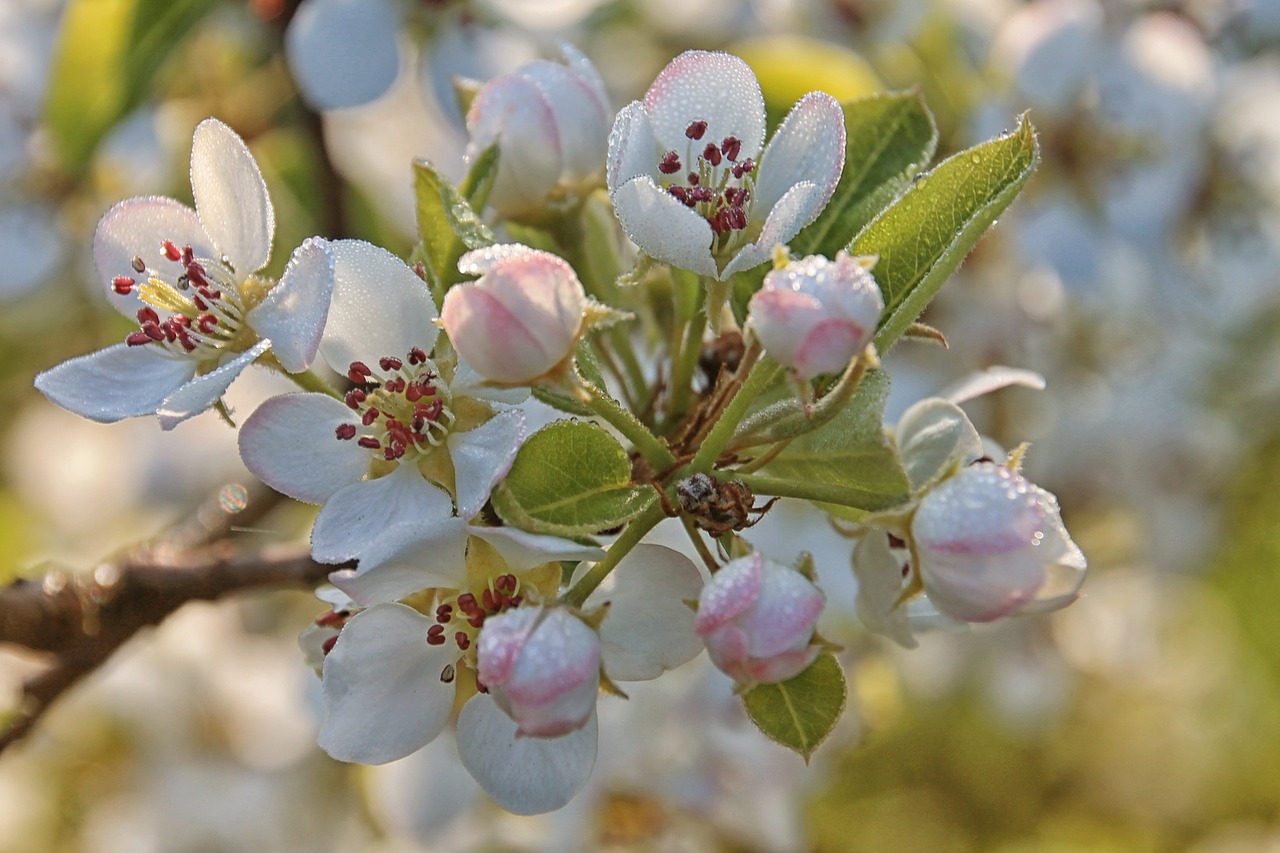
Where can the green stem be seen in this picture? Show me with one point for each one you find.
(761, 374)
(621, 419)
(308, 381)
(683, 369)
(803, 421)
(622, 546)
(821, 492)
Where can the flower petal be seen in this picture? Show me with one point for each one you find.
(408, 558)
(115, 383)
(524, 775)
(201, 393)
(356, 516)
(467, 382)
(383, 697)
(934, 437)
(531, 161)
(483, 456)
(663, 227)
(633, 149)
(580, 111)
(231, 197)
(343, 53)
(380, 307)
(880, 584)
(293, 313)
(718, 88)
(982, 590)
(992, 379)
(649, 628)
(523, 550)
(800, 206)
(808, 148)
(136, 228)
(290, 444)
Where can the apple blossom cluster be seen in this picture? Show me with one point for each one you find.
(501, 579)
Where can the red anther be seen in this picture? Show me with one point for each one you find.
(371, 414)
(670, 163)
(712, 154)
(333, 617)
(435, 630)
(180, 320)
(695, 129)
(188, 256)
(436, 640)
(476, 621)
(732, 147)
(682, 194)
(206, 322)
(896, 542)
(370, 442)
(463, 641)
(171, 251)
(736, 217)
(200, 303)
(413, 393)
(152, 330)
(906, 569)
(388, 362)
(700, 195)
(746, 167)
(147, 314)
(137, 339)
(395, 385)
(185, 339)
(195, 275)
(122, 284)
(345, 432)
(694, 178)
(138, 265)
(328, 644)
(359, 372)
(506, 583)
(171, 331)
(417, 356)
(354, 398)
(444, 613)
(467, 603)
(420, 269)
(487, 599)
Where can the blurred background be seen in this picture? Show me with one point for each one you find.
(1139, 272)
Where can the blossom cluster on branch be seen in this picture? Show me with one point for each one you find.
(640, 280)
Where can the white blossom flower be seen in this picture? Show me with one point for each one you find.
(520, 319)
(189, 276)
(814, 315)
(757, 618)
(405, 448)
(391, 678)
(551, 124)
(692, 181)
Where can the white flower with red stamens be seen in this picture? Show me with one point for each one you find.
(551, 124)
(189, 277)
(814, 315)
(757, 618)
(391, 677)
(692, 181)
(406, 458)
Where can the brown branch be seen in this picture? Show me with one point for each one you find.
(84, 619)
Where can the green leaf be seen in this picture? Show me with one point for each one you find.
(107, 55)
(923, 236)
(889, 138)
(570, 478)
(800, 713)
(850, 451)
(447, 222)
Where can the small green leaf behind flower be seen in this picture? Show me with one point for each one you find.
(800, 713)
(449, 220)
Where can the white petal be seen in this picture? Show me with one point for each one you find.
(718, 88)
(800, 206)
(356, 516)
(483, 456)
(992, 379)
(982, 589)
(515, 112)
(633, 149)
(294, 311)
(383, 697)
(580, 111)
(201, 393)
(290, 444)
(880, 584)
(808, 148)
(934, 436)
(231, 197)
(408, 558)
(649, 628)
(468, 383)
(115, 383)
(343, 53)
(136, 228)
(524, 775)
(586, 69)
(380, 307)
(663, 227)
(523, 550)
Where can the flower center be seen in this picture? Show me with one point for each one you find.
(459, 619)
(406, 412)
(716, 184)
(203, 308)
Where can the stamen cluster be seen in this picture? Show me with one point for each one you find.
(471, 612)
(203, 317)
(720, 193)
(408, 410)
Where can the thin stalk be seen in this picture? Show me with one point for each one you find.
(821, 492)
(308, 381)
(699, 545)
(636, 530)
(686, 362)
(761, 374)
(820, 413)
(611, 412)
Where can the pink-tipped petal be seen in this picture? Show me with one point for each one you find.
(380, 307)
(483, 456)
(137, 228)
(115, 383)
(201, 393)
(718, 88)
(580, 111)
(738, 588)
(515, 111)
(808, 148)
(290, 444)
(663, 228)
(383, 693)
(231, 197)
(524, 775)
(293, 314)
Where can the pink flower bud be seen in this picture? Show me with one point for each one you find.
(757, 619)
(551, 124)
(991, 543)
(542, 667)
(520, 319)
(815, 315)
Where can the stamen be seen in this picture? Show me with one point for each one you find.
(138, 265)
(123, 284)
(670, 163)
(345, 432)
(171, 251)
(695, 129)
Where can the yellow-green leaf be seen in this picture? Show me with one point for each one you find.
(800, 713)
